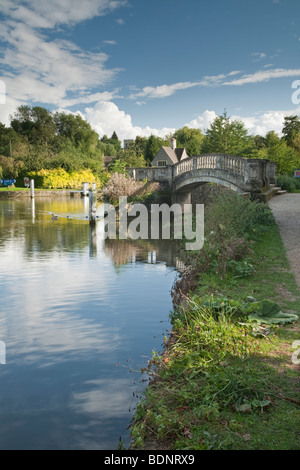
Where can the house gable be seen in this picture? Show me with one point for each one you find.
(163, 155)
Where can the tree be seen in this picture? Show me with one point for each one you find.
(291, 127)
(8, 140)
(139, 145)
(77, 130)
(153, 145)
(191, 139)
(36, 124)
(277, 150)
(225, 136)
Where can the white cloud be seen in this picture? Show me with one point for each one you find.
(110, 42)
(163, 91)
(266, 122)
(49, 14)
(258, 56)
(39, 70)
(256, 125)
(105, 117)
(203, 121)
(264, 76)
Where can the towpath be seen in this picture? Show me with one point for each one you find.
(286, 210)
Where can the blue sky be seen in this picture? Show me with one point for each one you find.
(152, 66)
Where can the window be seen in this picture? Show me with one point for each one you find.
(162, 163)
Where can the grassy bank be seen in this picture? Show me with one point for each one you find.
(226, 378)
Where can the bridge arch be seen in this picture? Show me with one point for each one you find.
(243, 175)
(190, 183)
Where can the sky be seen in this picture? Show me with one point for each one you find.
(142, 67)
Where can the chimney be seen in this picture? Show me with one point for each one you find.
(173, 143)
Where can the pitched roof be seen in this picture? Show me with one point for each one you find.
(171, 154)
(179, 153)
(174, 155)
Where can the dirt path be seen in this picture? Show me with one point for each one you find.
(286, 210)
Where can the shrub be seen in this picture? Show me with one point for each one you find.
(121, 185)
(288, 182)
(59, 178)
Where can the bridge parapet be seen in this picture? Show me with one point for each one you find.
(214, 161)
(245, 175)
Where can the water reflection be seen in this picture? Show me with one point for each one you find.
(77, 314)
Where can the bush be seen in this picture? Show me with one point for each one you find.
(60, 179)
(288, 182)
(231, 224)
(121, 185)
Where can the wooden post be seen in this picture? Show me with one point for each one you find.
(92, 208)
(32, 189)
(85, 187)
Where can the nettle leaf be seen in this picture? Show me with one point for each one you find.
(268, 312)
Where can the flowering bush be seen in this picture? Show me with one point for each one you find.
(59, 178)
(121, 185)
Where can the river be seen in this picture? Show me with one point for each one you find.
(79, 318)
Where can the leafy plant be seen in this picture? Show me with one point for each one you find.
(269, 312)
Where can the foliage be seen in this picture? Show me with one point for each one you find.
(153, 145)
(121, 185)
(269, 312)
(288, 182)
(59, 178)
(277, 150)
(191, 139)
(291, 129)
(226, 136)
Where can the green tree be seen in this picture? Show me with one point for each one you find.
(77, 130)
(291, 128)
(130, 157)
(191, 139)
(152, 147)
(36, 124)
(226, 136)
(139, 145)
(277, 150)
(8, 140)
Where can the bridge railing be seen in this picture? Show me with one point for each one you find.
(231, 163)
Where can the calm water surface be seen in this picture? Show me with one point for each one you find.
(79, 316)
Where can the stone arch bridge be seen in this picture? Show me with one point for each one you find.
(247, 176)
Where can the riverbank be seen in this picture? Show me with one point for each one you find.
(228, 376)
(16, 193)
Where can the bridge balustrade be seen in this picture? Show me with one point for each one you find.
(235, 165)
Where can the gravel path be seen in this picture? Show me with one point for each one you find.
(286, 210)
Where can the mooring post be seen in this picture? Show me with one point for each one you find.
(32, 188)
(93, 208)
(85, 187)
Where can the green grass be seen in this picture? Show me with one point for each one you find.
(13, 188)
(220, 383)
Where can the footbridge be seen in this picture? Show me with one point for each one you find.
(253, 177)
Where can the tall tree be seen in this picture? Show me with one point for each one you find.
(226, 136)
(291, 127)
(77, 131)
(153, 145)
(36, 124)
